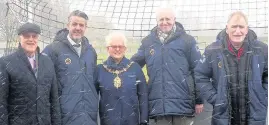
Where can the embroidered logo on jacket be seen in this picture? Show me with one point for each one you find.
(151, 51)
(67, 61)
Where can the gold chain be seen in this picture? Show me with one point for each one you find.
(117, 79)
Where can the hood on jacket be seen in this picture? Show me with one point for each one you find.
(179, 27)
(61, 36)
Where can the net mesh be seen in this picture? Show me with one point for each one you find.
(201, 18)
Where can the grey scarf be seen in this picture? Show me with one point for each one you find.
(164, 37)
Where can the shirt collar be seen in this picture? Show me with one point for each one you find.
(33, 57)
(70, 40)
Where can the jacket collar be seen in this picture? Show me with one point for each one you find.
(22, 55)
(178, 32)
(61, 36)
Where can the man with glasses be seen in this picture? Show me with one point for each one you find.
(28, 84)
(75, 63)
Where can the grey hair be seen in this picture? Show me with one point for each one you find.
(79, 14)
(115, 34)
(237, 13)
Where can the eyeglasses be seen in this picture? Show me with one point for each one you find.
(115, 47)
(28, 36)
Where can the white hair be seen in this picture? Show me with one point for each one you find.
(112, 35)
(165, 9)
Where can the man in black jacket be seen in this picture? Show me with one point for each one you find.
(28, 85)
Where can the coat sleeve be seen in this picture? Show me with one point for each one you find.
(50, 51)
(52, 54)
(203, 74)
(96, 73)
(265, 70)
(194, 57)
(139, 57)
(54, 100)
(4, 92)
(142, 92)
(96, 80)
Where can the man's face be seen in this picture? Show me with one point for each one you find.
(237, 29)
(116, 48)
(76, 26)
(28, 42)
(165, 20)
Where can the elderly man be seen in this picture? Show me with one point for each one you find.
(122, 86)
(75, 63)
(233, 74)
(28, 85)
(170, 55)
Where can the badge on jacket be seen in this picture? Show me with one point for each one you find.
(219, 64)
(67, 61)
(151, 51)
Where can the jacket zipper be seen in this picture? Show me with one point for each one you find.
(163, 79)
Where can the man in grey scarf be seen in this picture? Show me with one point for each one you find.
(170, 55)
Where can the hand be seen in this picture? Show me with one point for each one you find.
(199, 108)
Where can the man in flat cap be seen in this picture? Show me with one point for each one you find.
(28, 85)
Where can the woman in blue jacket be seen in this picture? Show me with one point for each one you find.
(122, 86)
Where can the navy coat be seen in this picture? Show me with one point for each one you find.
(127, 105)
(211, 80)
(78, 96)
(24, 98)
(170, 70)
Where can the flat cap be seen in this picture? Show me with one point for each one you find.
(29, 27)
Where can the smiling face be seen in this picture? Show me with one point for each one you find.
(76, 26)
(237, 29)
(165, 19)
(28, 42)
(116, 48)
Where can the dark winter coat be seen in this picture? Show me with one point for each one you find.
(170, 70)
(24, 98)
(78, 96)
(128, 104)
(211, 76)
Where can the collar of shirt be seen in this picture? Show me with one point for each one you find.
(70, 40)
(33, 57)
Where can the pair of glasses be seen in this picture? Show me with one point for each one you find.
(115, 47)
(28, 36)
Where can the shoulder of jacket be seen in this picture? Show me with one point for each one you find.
(186, 37)
(213, 48)
(260, 47)
(146, 39)
(44, 57)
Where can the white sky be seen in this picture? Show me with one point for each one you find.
(194, 14)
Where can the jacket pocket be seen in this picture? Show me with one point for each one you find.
(259, 92)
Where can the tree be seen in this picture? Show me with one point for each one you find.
(8, 28)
